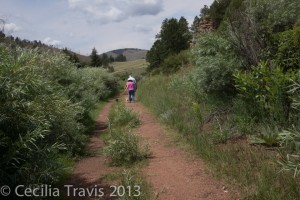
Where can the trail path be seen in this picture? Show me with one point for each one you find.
(87, 173)
(173, 174)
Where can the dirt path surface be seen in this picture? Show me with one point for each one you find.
(87, 172)
(173, 174)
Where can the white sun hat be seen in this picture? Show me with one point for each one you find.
(131, 79)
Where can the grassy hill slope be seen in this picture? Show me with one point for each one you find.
(136, 67)
(130, 53)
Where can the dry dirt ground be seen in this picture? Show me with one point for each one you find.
(171, 171)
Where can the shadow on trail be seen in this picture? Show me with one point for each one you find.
(86, 182)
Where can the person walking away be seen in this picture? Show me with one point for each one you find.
(130, 86)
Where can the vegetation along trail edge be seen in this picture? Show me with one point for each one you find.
(87, 173)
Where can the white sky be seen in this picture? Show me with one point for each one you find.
(106, 25)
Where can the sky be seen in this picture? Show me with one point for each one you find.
(81, 25)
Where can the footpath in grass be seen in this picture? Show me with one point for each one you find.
(131, 157)
(111, 168)
(89, 171)
(171, 171)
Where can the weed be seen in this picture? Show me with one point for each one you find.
(121, 116)
(134, 187)
(124, 148)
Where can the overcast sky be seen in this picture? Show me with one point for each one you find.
(106, 25)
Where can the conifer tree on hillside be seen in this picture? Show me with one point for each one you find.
(120, 58)
(172, 39)
(111, 58)
(72, 57)
(105, 59)
(195, 24)
(95, 58)
(217, 11)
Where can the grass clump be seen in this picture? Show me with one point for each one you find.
(123, 148)
(121, 116)
(135, 187)
(123, 145)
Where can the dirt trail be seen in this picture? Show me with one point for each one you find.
(173, 174)
(87, 172)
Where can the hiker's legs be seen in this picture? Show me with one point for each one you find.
(131, 95)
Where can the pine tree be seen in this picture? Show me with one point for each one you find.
(105, 59)
(172, 39)
(95, 58)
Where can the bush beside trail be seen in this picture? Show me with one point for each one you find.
(238, 97)
(124, 146)
(44, 114)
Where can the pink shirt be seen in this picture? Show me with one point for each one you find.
(130, 85)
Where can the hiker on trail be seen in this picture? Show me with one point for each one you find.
(131, 86)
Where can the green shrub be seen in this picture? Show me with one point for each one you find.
(288, 54)
(275, 16)
(85, 86)
(121, 116)
(269, 136)
(174, 62)
(264, 92)
(43, 113)
(216, 62)
(124, 148)
(290, 139)
(37, 121)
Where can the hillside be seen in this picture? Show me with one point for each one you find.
(135, 67)
(130, 53)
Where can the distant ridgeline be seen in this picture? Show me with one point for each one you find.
(14, 42)
(126, 54)
(11, 41)
(130, 53)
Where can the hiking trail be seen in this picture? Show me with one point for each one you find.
(171, 171)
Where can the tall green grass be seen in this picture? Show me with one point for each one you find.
(252, 169)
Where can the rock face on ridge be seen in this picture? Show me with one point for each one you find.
(204, 26)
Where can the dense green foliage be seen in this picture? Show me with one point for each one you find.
(210, 126)
(121, 116)
(104, 60)
(172, 39)
(95, 58)
(266, 90)
(217, 11)
(72, 57)
(120, 58)
(243, 88)
(44, 114)
(216, 60)
(288, 45)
